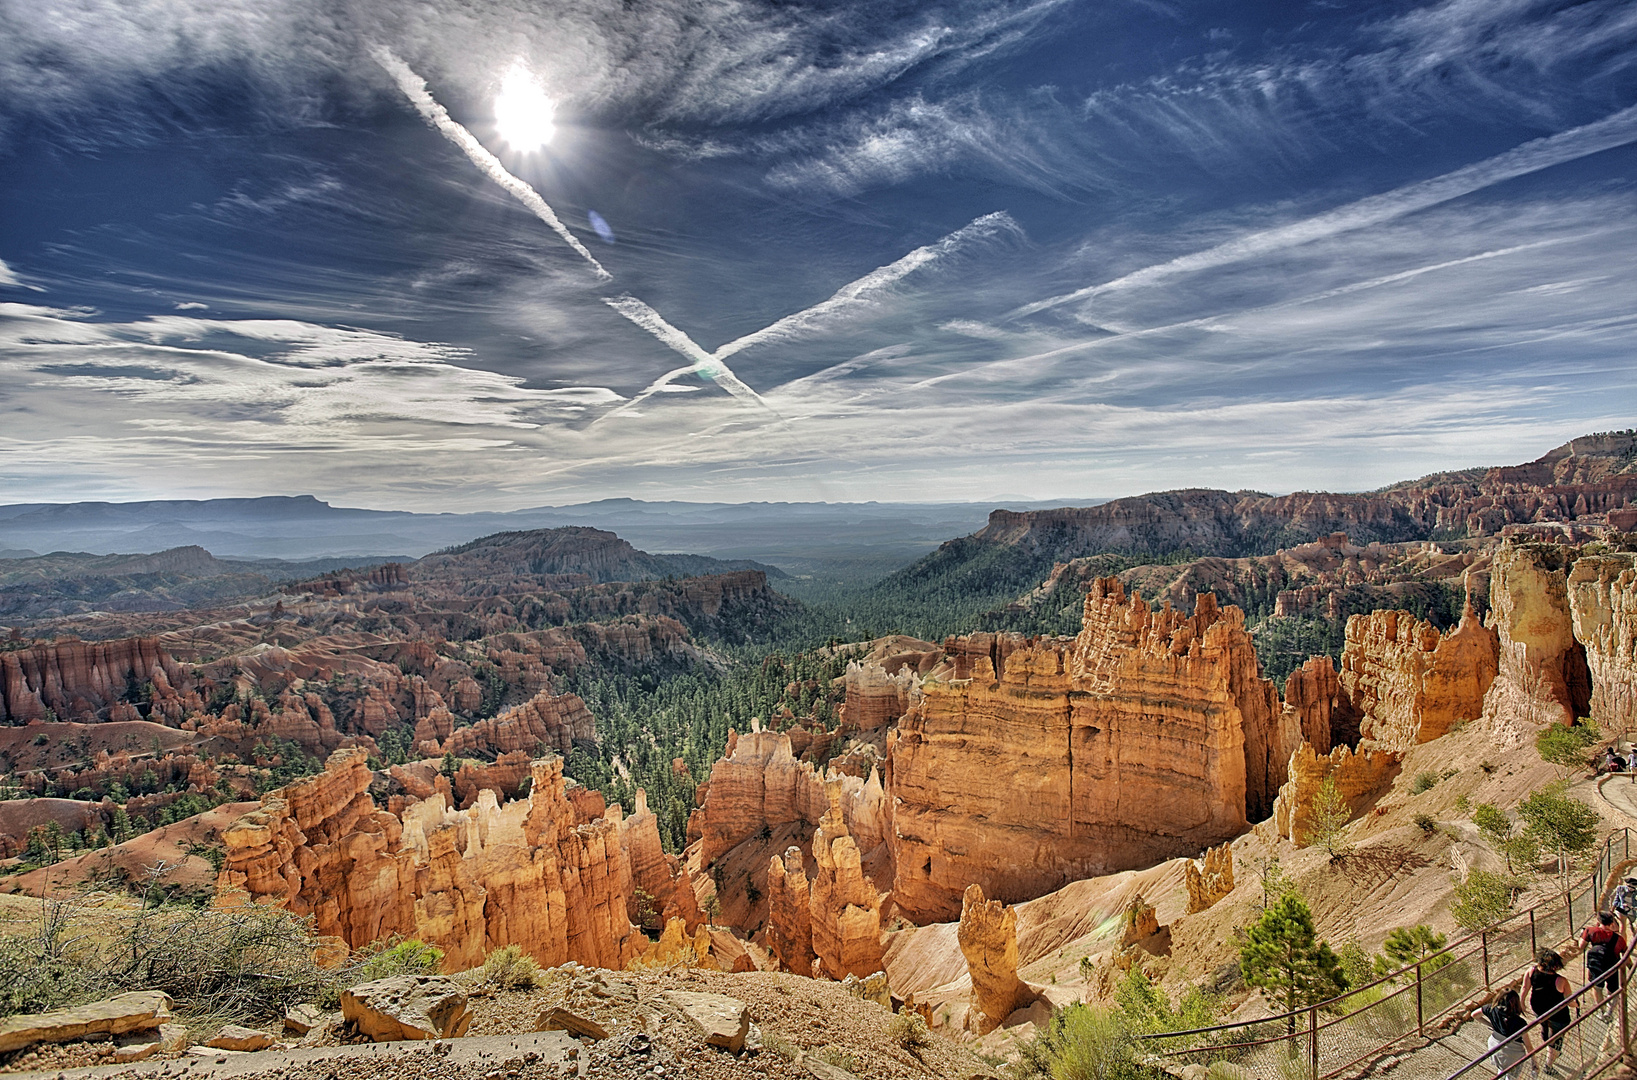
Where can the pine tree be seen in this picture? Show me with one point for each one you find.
(1330, 817)
(1281, 955)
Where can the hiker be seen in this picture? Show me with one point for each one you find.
(1548, 990)
(1613, 762)
(1505, 1016)
(1604, 947)
(1624, 902)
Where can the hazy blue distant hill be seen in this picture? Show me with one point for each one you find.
(849, 540)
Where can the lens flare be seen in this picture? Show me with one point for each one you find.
(524, 114)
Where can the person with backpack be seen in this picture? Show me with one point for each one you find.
(1624, 902)
(1604, 947)
(1548, 997)
(1508, 1047)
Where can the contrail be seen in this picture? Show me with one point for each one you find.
(414, 88)
(710, 365)
(857, 291)
(1605, 134)
(706, 365)
(1220, 317)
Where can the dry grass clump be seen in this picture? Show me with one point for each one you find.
(246, 961)
(909, 1031)
(510, 968)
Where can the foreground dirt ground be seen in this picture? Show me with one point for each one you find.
(804, 1029)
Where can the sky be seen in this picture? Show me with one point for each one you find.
(837, 250)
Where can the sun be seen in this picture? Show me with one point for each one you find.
(523, 112)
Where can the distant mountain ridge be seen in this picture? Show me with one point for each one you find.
(1584, 478)
(598, 554)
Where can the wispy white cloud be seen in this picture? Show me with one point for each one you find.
(1617, 129)
(9, 279)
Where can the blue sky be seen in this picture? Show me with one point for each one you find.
(896, 251)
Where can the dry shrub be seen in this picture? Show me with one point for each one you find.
(909, 1031)
(510, 968)
(248, 961)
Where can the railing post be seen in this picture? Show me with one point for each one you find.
(1420, 1019)
(1625, 1020)
(1313, 1043)
(1568, 909)
(1534, 946)
(1484, 936)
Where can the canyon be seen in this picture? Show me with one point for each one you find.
(899, 791)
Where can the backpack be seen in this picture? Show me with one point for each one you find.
(1601, 947)
(1622, 900)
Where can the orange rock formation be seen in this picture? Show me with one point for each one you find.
(546, 722)
(1359, 778)
(988, 940)
(1603, 600)
(1408, 683)
(1210, 879)
(528, 874)
(1029, 764)
(1542, 675)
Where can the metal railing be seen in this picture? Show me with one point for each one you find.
(1409, 1007)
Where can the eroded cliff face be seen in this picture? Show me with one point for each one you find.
(1051, 767)
(876, 697)
(545, 722)
(91, 680)
(1408, 683)
(1359, 777)
(1543, 676)
(1603, 602)
(532, 873)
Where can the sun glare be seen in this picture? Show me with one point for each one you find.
(523, 112)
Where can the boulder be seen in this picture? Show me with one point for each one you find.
(138, 1011)
(407, 1007)
(234, 1037)
(302, 1019)
(561, 1019)
(174, 1038)
(718, 1019)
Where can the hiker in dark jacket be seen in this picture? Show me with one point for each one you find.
(1604, 947)
(1548, 990)
(1505, 1017)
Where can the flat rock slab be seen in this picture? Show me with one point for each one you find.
(489, 1051)
(234, 1037)
(407, 1007)
(561, 1019)
(718, 1019)
(138, 1011)
(302, 1019)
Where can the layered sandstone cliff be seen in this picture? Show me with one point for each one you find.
(1031, 763)
(546, 722)
(91, 680)
(844, 905)
(1359, 777)
(876, 697)
(1542, 676)
(531, 873)
(1408, 683)
(1603, 602)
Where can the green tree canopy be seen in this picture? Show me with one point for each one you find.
(1563, 825)
(1281, 955)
